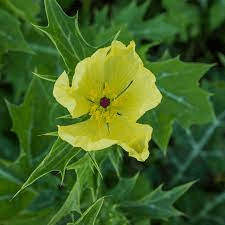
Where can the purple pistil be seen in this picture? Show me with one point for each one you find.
(104, 102)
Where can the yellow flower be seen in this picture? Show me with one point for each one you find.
(116, 89)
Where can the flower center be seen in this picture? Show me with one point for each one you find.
(104, 102)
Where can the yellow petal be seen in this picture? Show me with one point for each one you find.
(76, 104)
(90, 135)
(95, 135)
(89, 75)
(121, 67)
(132, 137)
(141, 96)
(119, 49)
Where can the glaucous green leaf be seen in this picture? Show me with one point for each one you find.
(214, 153)
(11, 37)
(72, 203)
(142, 187)
(56, 160)
(25, 9)
(115, 157)
(183, 100)
(203, 144)
(184, 16)
(157, 204)
(65, 34)
(90, 215)
(123, 188)
(202, 154)
(184, 156)
(83, 168)
(34, 117)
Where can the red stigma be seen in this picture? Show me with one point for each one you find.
(104, 102)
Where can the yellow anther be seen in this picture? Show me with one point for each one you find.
(98, 114)
(93, 109)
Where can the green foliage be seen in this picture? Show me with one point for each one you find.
(64, 33)
(22, 8)
(130, 21)
(183, 16)
(56, 160)
(123, 188)
(11, 180)
(111, 214)
(156, 29)
(27, 218)
(83, 181)
(20, 72)
(217, 16)
(30, 121)
(182, 101)
(89, 216)
(205, 145)
(115, 157)
(11, 37)
(158, 204)
(44, 180)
